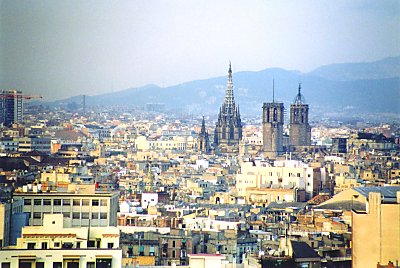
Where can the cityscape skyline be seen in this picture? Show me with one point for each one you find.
(60, 49)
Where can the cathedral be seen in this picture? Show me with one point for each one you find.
(228, 130)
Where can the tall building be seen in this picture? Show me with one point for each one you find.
(202, 141)
(272, 123)
(11, 107)
(300, 130)
(228, 130)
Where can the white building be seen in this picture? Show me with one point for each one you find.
(81, 205)
(149, 199)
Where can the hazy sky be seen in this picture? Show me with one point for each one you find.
(65, 48)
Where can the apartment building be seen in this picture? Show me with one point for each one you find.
(81, 205)
(288, 173)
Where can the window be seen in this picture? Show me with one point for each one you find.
(44, 245)
(90, 265)
(151, 251)
(103, 263)
(103, 216)
(67, 245)
(66, 202)
(37, 202)
(37, 215)
(91, 243)
(95, 202)
(5, 265)
(39, 264)
(141, 251)
(85, 215)
(110, 245)
(78, 244)
(46, 202)
(76, 202)
(85, 202)
(57, 202)
(173, 243)
(103, 202)
(31, 245)
(130, 251)
(56, 244)
(57, 264)
(76, 215)
(27, 202)
(173, 254)
(95, 215)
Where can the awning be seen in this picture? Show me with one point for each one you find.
(27, 257)
(71, 257)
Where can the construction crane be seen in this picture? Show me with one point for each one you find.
(29, 97)
(15, 93)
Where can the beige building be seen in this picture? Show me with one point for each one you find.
(288, 173)
(206, 260)
(376, 231)
(181, 143)
(81, 205)
(53, 245)
(264, 196)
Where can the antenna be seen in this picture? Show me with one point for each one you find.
(84, 104)
(273, 90)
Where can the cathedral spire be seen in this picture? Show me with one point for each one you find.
(228, 129)
(203, 126)
(229, 99)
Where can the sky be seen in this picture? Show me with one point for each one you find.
(58, 49)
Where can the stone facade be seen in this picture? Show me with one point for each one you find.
(203, 144)
(272, 122)
(300, 130)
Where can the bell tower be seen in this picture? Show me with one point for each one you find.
(272, 123)
(300, 130)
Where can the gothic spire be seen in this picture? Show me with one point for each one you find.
(229, 99)
(203, 126)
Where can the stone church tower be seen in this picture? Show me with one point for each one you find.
(203, 144)
(228, 130)
(272, 123)
(300, 130)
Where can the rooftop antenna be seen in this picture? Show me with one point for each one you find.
(273, 90)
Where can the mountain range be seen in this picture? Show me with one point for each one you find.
(344, 87)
